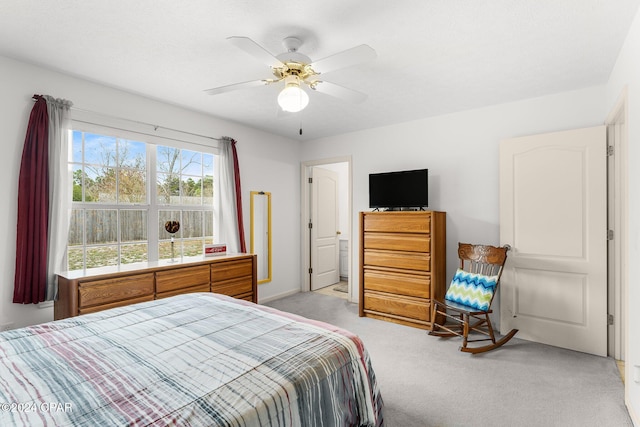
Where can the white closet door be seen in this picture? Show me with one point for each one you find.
(553, 213)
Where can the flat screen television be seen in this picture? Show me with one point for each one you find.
(399, 189)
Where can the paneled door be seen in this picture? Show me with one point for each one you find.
(325, 251)
(553, 213)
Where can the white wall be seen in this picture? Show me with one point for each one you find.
(461, 152)
(627, 73)
(267, 162)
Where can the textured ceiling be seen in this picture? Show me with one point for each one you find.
(433, 56)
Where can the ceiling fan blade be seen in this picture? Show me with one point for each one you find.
(346, 58)
(235, 86)
(339, 91)
(255, 50)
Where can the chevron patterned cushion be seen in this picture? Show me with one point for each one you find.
(473, 290)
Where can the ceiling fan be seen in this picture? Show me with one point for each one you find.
(296, 70)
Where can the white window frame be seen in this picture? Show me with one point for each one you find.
(153, 136)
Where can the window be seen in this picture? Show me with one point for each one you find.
(125, 190)
(184, 184)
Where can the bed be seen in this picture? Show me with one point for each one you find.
(191, 360)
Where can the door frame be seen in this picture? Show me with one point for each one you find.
(618, 289)
(305, 215)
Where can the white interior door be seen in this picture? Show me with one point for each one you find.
(325, 251)
(553, 213)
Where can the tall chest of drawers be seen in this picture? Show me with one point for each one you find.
(402, 265)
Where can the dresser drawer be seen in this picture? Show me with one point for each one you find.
(405, 307)
(181, 278)
(396, 259)
(231, 270)
(398, 283)
(233, 287)
(100, 292)
(199, 288)
(401, 222)
(122, 303)
(397, 242)
(246, 297)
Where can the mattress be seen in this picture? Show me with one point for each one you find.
(191, 360)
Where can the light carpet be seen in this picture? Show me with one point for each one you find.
(426, 381)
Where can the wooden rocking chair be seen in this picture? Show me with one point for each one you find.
(467, 303)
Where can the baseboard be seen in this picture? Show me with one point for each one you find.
(275, 297)
(634, 417)
(45, 304)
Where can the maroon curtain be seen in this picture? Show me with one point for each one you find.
(30, 282)
(236, 175)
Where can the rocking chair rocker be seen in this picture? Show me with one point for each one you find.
(467, 303)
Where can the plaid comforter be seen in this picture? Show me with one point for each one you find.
(191, 360)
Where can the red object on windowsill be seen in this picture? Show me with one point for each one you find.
(215, 249)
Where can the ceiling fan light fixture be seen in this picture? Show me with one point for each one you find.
(293, 98)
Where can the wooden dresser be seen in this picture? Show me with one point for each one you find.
(82, 292)
(402, 265)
